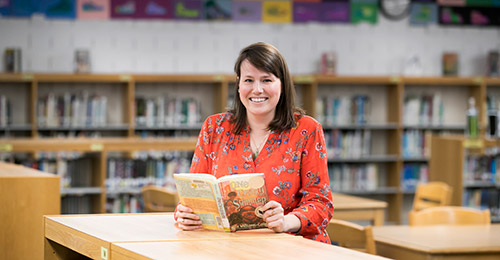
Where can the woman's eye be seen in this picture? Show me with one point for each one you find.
(248, 80)
(267, 80)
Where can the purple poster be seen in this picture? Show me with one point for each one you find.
(305, 12)
(124, 9)
(156, 9)
(249, 11)
(336, 12)
(187, 9)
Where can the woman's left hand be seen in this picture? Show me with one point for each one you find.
(274, 216)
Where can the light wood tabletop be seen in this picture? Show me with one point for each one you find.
(438, 242)
(298, 248)
(356, 208)
(92, 235)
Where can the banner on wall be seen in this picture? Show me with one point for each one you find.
(476, 16)
(277, 12)
(423, 13)
(364, 11)
(188, 9)
(93, 9)
(58, 8)
(220, 10)
(247, 11)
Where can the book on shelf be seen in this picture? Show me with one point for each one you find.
(229, 203)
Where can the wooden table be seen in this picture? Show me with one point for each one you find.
(135, 236)
(438, 242)
(286, 249)
(356, 208)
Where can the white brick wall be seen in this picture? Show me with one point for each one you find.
(212, 47)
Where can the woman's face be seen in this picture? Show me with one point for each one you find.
(259, 91)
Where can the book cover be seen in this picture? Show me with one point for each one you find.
(450, 64)
(229, 203)
(243, 196)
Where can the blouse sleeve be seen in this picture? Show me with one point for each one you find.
(316, 208)
(200, 162)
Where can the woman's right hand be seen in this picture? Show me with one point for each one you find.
(186, 219)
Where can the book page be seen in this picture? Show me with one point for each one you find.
(197, 192)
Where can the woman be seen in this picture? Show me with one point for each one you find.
(265, 132)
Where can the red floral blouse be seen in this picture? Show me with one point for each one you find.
(294, 163)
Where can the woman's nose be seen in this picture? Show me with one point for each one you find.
(257, 87)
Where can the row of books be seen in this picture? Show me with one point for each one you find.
(75, 110)
(483, 199)
(76, 204)
(5, 111)
(416, 143)
(348, 144)
(482, 170)
(124, 203)
(75, 172)
(423, 110)
(343, 110)
(164, 111)
(414, 173)
(128, 173)
(351, 177)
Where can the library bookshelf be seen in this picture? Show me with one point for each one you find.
(382, 129)
(469, 166)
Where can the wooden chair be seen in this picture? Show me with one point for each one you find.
(157, 199)
(351, 235)
(450, 215)
(432, 194)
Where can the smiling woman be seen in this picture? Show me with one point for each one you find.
(266, 133)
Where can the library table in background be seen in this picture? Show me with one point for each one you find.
(439, 242)
(356, 208)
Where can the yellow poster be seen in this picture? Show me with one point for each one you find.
(277, 12)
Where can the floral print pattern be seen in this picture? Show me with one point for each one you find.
(294, 163)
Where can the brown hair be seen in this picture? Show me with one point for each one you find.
(267, 58)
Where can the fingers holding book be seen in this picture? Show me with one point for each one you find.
(186, 219)
(274, 216)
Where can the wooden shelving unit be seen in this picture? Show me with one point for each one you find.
(310, 87)
(448, 164)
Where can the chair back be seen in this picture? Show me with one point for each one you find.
(157, 199)
(432, 194)
(351, 235)
(449, 215)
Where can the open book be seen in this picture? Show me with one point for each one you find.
(229, 203)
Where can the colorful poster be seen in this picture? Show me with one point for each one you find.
(124, 9)
(217, 9)
(156, 9)
(249, 11)
(277, 12)
(93, 9)
(338, 12)
(423, 13)
(24, 8)
(305, 12)
(4, 7)
(187, 9)
(485, 3)
(58, 8)
(451, 2)
(450, 16)
(364, 11)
